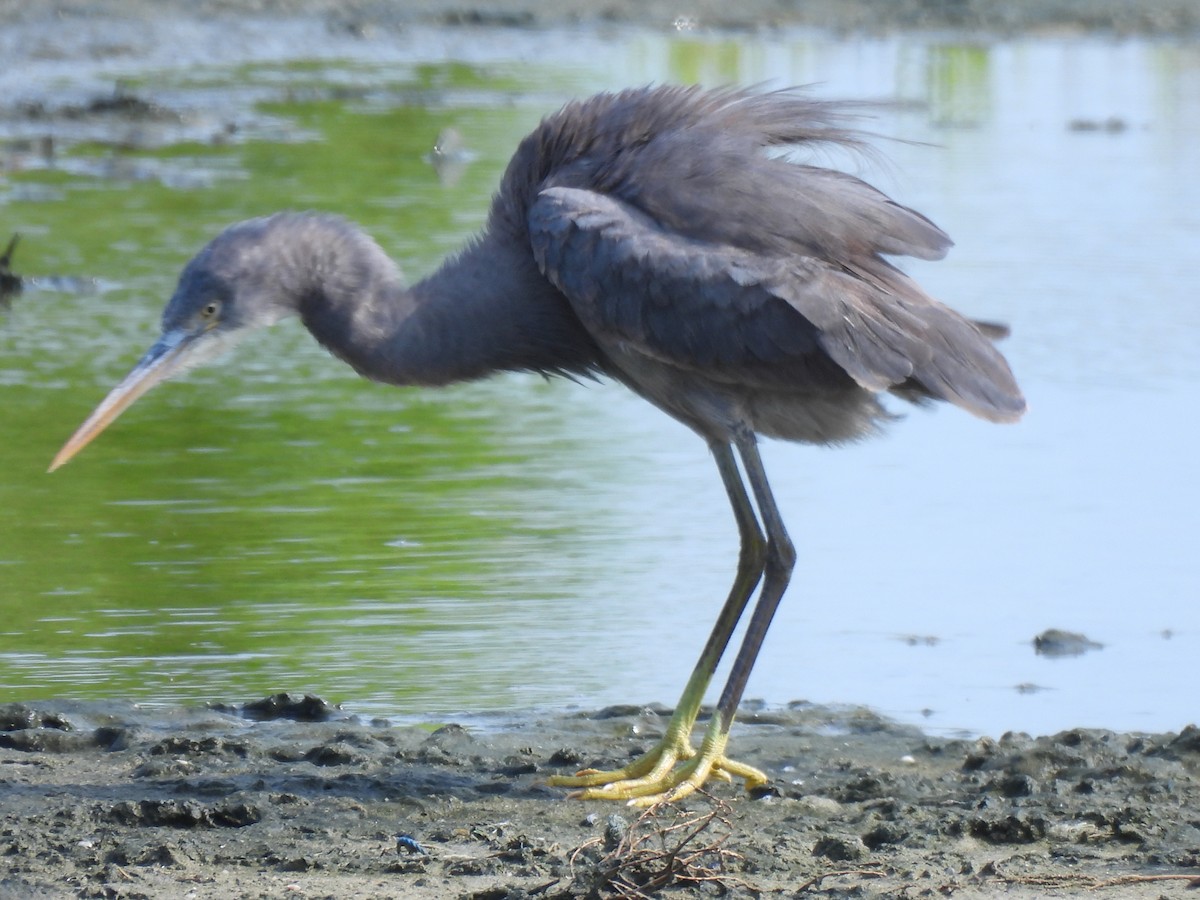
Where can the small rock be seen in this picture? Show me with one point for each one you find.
(840, 848)
(308, 708)
(1054, 642)
(565, 757)
(818, 806)
(615, 829)
(1008, 829)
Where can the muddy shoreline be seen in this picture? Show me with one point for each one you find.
(291, 797)
(1121, 17)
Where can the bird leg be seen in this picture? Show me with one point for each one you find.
(777, 572)
(673, 768)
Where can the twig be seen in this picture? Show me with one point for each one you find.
(1094, 883)
(636, 871)
(1193, 881)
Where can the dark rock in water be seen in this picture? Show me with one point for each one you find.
(1111, 125)
(119, 104)
(1055, 642)
(308, 708)
(10, 284)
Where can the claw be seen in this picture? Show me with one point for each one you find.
(668, 772)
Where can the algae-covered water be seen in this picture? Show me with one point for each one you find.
(275, 523)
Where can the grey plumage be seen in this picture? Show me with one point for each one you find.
(651, 237)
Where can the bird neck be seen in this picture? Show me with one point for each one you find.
(486, 309)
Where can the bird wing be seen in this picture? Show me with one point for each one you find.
(748, 317)
(734, 193)
(698, 163)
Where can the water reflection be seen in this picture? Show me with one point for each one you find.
(277, 524)
(960, 91)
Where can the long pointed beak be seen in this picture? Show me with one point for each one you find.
(172, 353)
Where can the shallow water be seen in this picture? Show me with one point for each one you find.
(273, 523)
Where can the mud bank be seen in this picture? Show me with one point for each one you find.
(290, 797)
(874, 16)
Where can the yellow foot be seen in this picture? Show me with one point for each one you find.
(670, 771)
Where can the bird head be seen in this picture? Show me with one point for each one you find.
(229, 288)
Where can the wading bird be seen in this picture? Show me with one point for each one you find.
(648, 236)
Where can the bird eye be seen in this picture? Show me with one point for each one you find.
(209, 310)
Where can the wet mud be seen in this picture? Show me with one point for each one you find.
(291, 797)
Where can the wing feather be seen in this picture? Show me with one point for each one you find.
(738, 315)
(696, 162)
